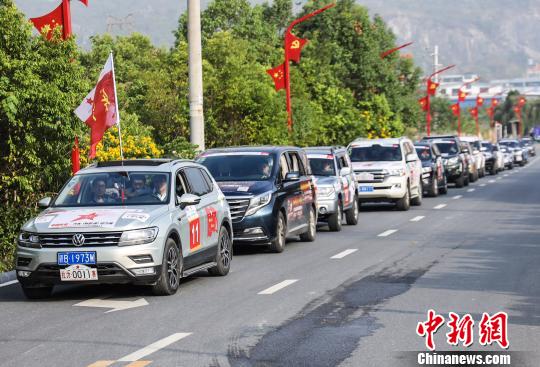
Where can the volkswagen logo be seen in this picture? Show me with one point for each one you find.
(78, 239)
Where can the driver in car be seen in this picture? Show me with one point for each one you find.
(99, 192)
(266, 170)
(160, 187)
(138, 187)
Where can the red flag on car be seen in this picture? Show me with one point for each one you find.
(423, 103)
(456, 110)
(278, 74)
(48, 22)
(432, 87)
(294, 47)
(99, 109)
(75, 157)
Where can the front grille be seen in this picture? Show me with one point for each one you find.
(238, 208)
(378, 175)
(102, 239)
(23, 261)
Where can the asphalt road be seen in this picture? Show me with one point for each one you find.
(474, 250)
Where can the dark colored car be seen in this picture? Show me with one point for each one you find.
(270, 191)
(433, 174)
(455, 164)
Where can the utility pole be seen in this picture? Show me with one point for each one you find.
(436, 64)
(196, 115)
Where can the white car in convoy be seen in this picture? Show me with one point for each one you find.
(387, 170)
(477, 154)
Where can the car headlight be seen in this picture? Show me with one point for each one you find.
(396, 172)
(453, 161)
(426, 169)
(488, 155)
(258, 202)
(138, 236)
(27, 239)
(325, 191)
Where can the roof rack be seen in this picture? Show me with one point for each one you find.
(133, 162)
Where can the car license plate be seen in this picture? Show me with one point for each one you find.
(366, 177)
(78, 273)
(73, 258)
(366, 188)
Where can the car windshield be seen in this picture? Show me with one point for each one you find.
(115, 188)
(487, 147)
(424, 153)
(242, 166)
(375, 153)
(322, 166)
(448, 147)
(511, 144)
(476, 144)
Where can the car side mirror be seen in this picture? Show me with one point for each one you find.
(188, 200)
(44, 203)
(411, 157)
(292, 176)
(345, 171)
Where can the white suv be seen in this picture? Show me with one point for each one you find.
(479, 158)
(387, 170)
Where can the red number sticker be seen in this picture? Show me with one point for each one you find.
(194, 234)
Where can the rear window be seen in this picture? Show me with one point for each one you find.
(376, 153)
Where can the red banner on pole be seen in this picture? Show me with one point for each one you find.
(278, 75)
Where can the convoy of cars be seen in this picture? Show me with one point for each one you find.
(155, 221)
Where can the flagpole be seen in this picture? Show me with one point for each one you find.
(117, 111)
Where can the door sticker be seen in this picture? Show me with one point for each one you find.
(211, 219)
(194, 228)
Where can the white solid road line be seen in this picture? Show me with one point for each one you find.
(387, 233)
(9, 283)
(471, 190)
(417, 219)
(440, 206)
(342, 254)
(160, 344)
(273, 289)
(457, 197)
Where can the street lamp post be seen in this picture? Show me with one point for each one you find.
(196, 115)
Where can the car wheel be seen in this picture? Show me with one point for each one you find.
(351, 216)
(335, 220)
(467, 181)
(494, 171)
(224, 254)
(404, 203)
(37, 292)
(309, 236)
(444, 190)
(278, 244)
(171, 270)
(417, 201)
(434, 189)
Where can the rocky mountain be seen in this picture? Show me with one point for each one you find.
(494, 38)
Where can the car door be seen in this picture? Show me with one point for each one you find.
(438, 162)
(287, 190)
(347, 182)
(414, 167)
(181, 216)
(307, 188)
(296, 214)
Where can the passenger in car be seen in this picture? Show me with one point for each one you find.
(160, 187)
(138, 187)
(99, 193)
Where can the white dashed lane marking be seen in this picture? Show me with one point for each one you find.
(440, 206)
(417, 219)
(273, 289)
(482, 185)
(154, 347)
(387, 233)
(457, 197)
(342, 254)
(491, 181)
(8, 283)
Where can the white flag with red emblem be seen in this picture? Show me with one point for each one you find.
(99, 110)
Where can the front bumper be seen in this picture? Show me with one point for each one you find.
(259, 228)
(392, 188)
(326, 206)
(115, 264)
(453, 172)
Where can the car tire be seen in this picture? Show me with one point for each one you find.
(467, 181)
(434, 189)
(278, 243)
(172, 267)
(335, 219)
(311, 233)
(460, 182)
(417, 201)
(224, 254)
(444, 190)
(37, 292)
(404, 203)
(351, 215)
(494, 171)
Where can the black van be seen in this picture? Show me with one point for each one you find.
(270, 192)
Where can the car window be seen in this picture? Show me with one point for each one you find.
(209, 182)
(296, 166)
(196, 181)
(322, 165)
(375, 153)
(342, 162)
(283, 166)
(424, 153)
(239, 166)
(180, 184)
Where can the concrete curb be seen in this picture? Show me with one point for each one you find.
(7, 277)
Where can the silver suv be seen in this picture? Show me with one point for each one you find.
(336, 186)
(137, 221)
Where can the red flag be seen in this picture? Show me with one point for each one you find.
(423, 103)
(99, 109)
(474, 112)
(432, 87)
(85, 2)
(462, 95)
(48, 22)
(278, 74)
(294, 47)
(75, 157)
(456, 110)
(479, 101)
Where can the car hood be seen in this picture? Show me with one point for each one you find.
(245, 188)
(102, 219)
(358, 166)
(325, 180)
